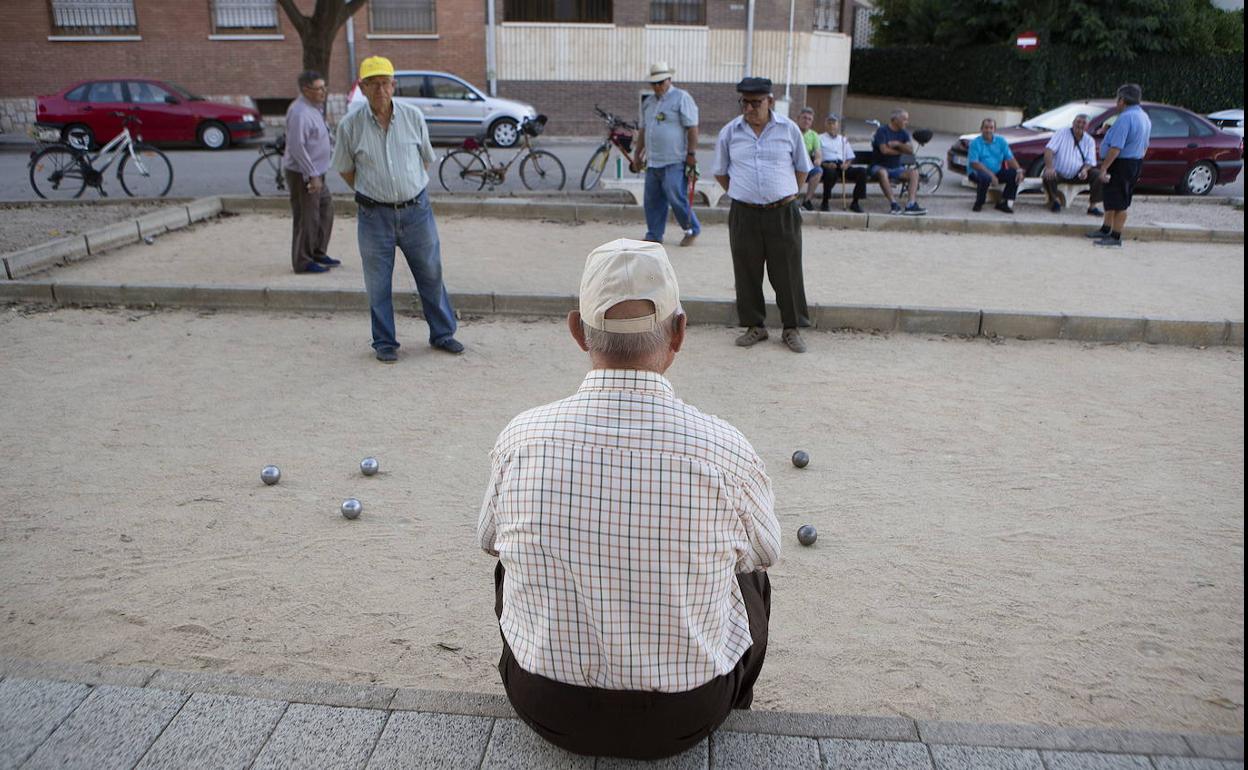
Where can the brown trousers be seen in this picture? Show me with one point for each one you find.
(313, 221)
(632, 723)
(1095, 185)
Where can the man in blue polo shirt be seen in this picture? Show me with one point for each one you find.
(890, 144)
(1124, 147)
(990, 162)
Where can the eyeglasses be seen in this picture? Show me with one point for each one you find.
(377, 83)
(752, 104)
(321, 87)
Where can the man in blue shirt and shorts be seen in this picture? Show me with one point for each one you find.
(890, 143)
(990, 161)
(1124, 147)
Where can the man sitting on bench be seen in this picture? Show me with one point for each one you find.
(1070, 158)
(837, 159)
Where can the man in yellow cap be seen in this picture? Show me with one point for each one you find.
(382, 153)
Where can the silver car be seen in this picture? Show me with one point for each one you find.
(454, 108)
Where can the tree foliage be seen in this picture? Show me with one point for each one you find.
(318, 29)
(1118, 29)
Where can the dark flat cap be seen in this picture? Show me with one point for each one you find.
(754, 86)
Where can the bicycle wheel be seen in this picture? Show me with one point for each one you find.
(461, 171)
(930, 177)
(540, 170)
(267, 176)
(594, 168)
(58, 173)
(145, 174)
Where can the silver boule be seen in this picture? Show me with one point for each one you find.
(270, 474)
(807, 535)
(801, 459)
(352, 508)
(369, 466)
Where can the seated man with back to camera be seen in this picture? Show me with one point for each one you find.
(632, 533)
(1070, 158)
(838, 158)
(990, 162)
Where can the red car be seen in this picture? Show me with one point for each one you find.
(168, 113)
(1185, 150)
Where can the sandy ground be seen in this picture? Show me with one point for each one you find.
(29, 225)
(1024, 532)
(1171, 280)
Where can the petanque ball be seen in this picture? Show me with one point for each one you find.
(352, 508)
(369, 466)
(270, 474)
(801, 459)
(806, 534)
(149, 240)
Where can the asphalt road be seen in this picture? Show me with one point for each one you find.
(197, 173)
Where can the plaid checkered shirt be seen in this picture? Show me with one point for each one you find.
(622, 516)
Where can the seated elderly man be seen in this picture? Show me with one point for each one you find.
(632, 533)
(990, 162)
(1070, 158)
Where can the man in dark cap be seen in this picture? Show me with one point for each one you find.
(761, 161)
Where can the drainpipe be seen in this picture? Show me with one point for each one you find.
(491, 53)
(788, 55)
(351, 49)
(749, 40)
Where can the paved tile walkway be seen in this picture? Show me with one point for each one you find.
(85, 716)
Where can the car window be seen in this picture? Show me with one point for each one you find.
(79, 94)
(408, 85)
(105, 91)
(1198, 126)
(1168, 124)
(445, 88)
(147, 93)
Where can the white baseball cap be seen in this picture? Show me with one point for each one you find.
(625, 270)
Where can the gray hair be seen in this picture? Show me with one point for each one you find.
(807, 111)
(633, 346)
(308, 77)
(1083, 115)
(1131, 93)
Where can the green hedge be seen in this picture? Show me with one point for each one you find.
(1040, 80)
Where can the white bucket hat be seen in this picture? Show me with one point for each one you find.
(625, 270)
(659, 71)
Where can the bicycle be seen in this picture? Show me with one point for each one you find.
(63, 171)
(620, 135)
(267, 175)
(930, 172)
(470, 168)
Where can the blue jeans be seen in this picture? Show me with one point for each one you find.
(667, 186)
(413, 230)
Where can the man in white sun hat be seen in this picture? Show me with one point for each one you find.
(632, 533)
(667, 146)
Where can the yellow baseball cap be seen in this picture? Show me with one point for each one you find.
(376, 65)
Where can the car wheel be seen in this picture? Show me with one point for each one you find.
(213, 135)
(1037, 168)
(505, 132)
(79, 136)
(1199, 179)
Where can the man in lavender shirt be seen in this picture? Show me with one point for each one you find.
(306, 160)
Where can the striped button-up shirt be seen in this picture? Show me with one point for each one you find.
(622, 516)
(761, 168)
(1068, 156)
(389, 165)
(308, 144)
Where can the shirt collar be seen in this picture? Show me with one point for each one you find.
(629, 380)
(394, 113)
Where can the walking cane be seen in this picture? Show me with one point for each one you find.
(842, 165)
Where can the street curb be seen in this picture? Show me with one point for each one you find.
(962, 322)
(783, 723)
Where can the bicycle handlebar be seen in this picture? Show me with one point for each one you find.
(613, 121)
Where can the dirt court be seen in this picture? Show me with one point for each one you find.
(1038, 532)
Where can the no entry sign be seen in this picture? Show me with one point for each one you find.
(1028, 41)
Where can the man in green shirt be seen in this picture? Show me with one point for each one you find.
(814, 148)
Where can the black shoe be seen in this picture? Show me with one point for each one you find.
(1055, 207)
(314, 268)
(977, 207)
(824, 206)
(1097, 234)
(1095, 212)
(1109, 241)
(854, 207)
(450, 345)
(387, 355)
(1004, 208)
(327, 261)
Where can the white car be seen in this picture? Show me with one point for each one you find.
(1230, 121)
(454, 108)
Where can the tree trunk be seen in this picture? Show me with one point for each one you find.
(317, 31)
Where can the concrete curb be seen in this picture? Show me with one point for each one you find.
(781, 723)
(557, 210)
(964, 322)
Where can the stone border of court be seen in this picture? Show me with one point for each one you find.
(782, 723)
(965, 322)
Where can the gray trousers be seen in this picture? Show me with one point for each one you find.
(313, 221)
(769, 239)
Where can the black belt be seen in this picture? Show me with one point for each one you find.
(364, 200)
(772, 205)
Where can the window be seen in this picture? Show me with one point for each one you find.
(678, 12)
(402, 17)
(411, 86)
(105, 91)
(93, 17)
(445, 88)
(233, 16)
(147, 93)
(558, 11)
(1168, 124)
(827, 15)
(79, 94)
